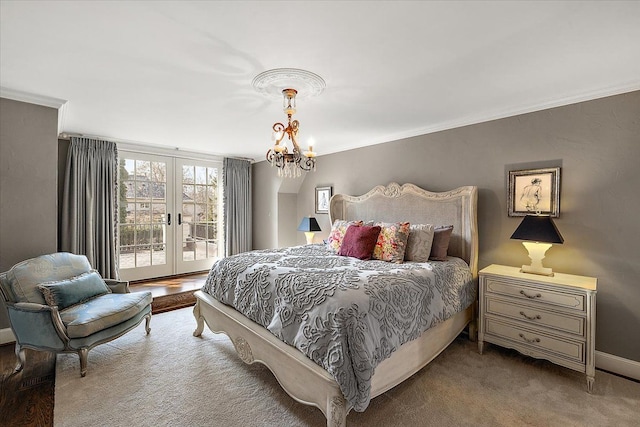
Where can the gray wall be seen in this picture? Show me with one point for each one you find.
(28, 183)
(597, 144)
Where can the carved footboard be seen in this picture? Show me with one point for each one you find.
(302, 379)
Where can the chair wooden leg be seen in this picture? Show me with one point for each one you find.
(83, 353)
(146, 324)
(21, 358)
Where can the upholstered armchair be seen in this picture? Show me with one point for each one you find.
(58, 303)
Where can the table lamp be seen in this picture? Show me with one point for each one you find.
(309, 225)
(539, 233)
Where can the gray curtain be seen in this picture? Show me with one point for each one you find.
(237, 206)
(89, 203)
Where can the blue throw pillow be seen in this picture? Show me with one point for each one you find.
(68, 292)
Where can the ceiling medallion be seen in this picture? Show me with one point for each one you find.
(273, 82)
(289, 83)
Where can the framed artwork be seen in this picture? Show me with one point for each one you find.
(323, 194)
(534, 191)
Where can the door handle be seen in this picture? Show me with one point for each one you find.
(168, 219)
(179, 219)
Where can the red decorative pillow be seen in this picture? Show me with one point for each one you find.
(358, 242)
(440, 245)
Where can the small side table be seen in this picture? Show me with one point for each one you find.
(546, 317)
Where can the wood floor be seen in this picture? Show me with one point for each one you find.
(27, 397)
(171, 293)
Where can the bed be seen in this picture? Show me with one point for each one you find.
(305, 379)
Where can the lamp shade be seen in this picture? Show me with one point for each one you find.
(309, 223)
(538, 229)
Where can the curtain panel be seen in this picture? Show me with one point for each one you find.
(90, 203)
(237, 206)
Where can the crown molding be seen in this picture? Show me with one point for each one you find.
(512, 111)
(32, 98)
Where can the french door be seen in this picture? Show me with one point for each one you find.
(169, 215)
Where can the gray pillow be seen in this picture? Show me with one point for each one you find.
(440, 245)
(419, 242)
(65, 293)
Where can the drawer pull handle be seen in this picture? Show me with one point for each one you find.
(536, 317)
(530, 341)
(530, 296)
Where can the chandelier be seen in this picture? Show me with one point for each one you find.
(290, 161)
(289, 164)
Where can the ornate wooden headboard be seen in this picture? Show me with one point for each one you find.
(396, 203)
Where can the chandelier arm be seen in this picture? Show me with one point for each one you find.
(279, 129)
(293, 134)
(307, 163)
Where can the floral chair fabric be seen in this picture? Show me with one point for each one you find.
(37, 291)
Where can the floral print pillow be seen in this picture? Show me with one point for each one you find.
(392, 241)
(338, 230)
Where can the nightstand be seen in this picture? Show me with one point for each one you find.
(547, 317)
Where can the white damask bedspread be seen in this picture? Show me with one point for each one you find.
(345, 314)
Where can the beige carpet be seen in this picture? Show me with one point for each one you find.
(171, 378)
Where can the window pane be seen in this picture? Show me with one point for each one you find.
(187, 212)
(188, 193)
(127, 254)
(201, 175)
(143, 240)
(142, 190)
(201, 249)
(143, 258)
(187, 228)
(212, 232)
(199, 231)
(211, 213)
(212, 248)
(159, 213)
(159, 172)
(187, 175)
(143, 235)
(188, 249)
(159, 234)
(127, 236)
(201, 212)
(143, 170)
(158, 190)
(201, 194)
(212, 176)
(212, 194)
(159, 256)
(127, 169)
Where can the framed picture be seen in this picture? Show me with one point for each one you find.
(534, 191)
(323, 194)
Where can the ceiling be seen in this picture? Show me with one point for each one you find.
(178, 74)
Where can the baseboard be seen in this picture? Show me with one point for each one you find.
(618, 365)
(6, 336)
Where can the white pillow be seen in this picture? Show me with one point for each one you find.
(419, 242)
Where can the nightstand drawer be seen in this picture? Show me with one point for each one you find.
(537, 294)
(530, 337)
(534, 315)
